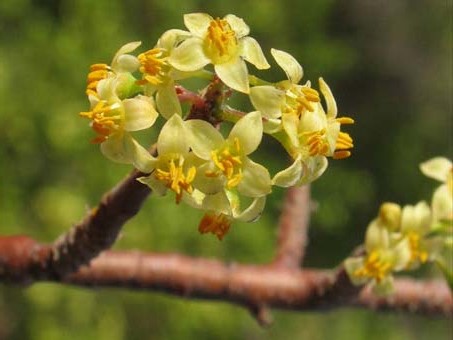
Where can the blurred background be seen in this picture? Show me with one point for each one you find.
(389, 64)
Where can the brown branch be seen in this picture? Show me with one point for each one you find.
(95, 233)
(255, 287)
(293, 227)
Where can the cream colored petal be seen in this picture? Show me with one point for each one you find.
(251, 51)
(154, 184)
(416, 218)
(351, 266)
(208, 185)
(197, 23)
(129, 47)
(377, 236)
(127, 63)
(437, 168)
(173, 138)
(167, 101)
(256, 181)
(271, 126)
(234, 74)
(139, 113)
(195, 199)
(332, 110)
(442, 203)
(289, 176)
(189, 56)
(169, 39)
(139, 156)
(252, 212)
(268, 100)
(238, 25)
(401, 255)
(203, 138)
(114, 149)
(218, 203)
(313, 168)
(289, 65)
(249, 131)
(290, 123)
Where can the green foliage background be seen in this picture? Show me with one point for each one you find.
(389, 64)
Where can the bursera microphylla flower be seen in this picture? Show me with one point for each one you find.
(113, 119)
(222, 42)
(223, 208)
(122, 65)
(311, 138)
(159, 76)
(172, 168)
(227, 164)
(385, 254)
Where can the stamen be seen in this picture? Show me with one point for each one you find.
(105, 119)
(229, 163)
(217, 224)
(221, 42)
(154, 66)
(374, 267)
(417, 254)
(175, 179)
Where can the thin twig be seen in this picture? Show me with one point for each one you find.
(293, 227)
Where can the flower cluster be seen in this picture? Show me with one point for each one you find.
(403, 238)
(204, 168)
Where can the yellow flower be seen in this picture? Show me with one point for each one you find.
(112, 119)
(222, 42)
(385, 253)
(122, 65)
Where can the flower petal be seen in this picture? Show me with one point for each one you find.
(114, 149)
(416, 218)
(252, 52)
(139, 156)
(268, 100)
(330, 100)
(154, 184)
(384, 287)
(351, 266)
(377, 236)
(167, 101)
(249, 131)
(437, 168)
(289, 65)
(442, 203)
(127, 63)
(238, 25)
(218, 203)
(139, 113)
(169, 39)
(197, 23)
(401, 255)
(256, 181)
(204, 138)
(189, 55)
(313, 168)
(253, 211)
(129, 47)
(289, 176)
(173, 137)
(208, 185)
(234, 74)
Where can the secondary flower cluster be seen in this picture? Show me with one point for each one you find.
(404, 238)
(204, 168)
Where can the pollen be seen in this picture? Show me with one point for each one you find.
(217, 224)
(374, 267)
(228, 162)
(176, 179)
(154, 66)
(221, 43)
(105, 120)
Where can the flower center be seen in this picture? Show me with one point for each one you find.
(417, 254)
(96, 74)
(105, 120)
(154, 66)
(374, 267)
(228, 162)
(220, 43)
(217, 224)
(175, 178)
(300, 99)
